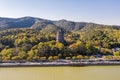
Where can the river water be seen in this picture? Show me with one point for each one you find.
(61, 73)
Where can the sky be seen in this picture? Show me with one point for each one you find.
(96, 11)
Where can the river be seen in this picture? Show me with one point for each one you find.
(61, 73)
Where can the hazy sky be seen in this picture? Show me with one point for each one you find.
(98, 11)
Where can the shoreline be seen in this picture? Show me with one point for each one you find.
(57, 64)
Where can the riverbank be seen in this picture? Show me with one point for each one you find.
(61, 63)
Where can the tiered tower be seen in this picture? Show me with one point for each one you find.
(60, 36)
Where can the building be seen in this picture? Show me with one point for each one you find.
(60, 36)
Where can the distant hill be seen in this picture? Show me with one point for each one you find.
(38, 23)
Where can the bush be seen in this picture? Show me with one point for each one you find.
(50, 58)
(67, 58)
(116, 53)
(79, 57)
(55, 57)
(92, 57)
(16, 58)
(86, 57)
(74, 57)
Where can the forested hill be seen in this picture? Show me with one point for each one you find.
(38, 23)
(34, 39)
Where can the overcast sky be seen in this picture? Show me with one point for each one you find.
(97, 11)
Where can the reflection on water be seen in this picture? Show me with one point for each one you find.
(61, 73)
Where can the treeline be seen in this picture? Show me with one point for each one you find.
(33, 45)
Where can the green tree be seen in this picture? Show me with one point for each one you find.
(117, 53)
(23, 54)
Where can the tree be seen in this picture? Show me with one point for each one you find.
(23, 54)
(86, 57)
(16, 58)
(73, 48)
(55, 57)
(50, 58)
(88, 48)
(92, 57)
(117, 53)
(60, 46)
(77, 48)
(43, 58)
(74, 57)
(79, 57)
(67, 58)
(44, 49)
(1, 47)
(7, 53)
(26, 47)
(30, 55)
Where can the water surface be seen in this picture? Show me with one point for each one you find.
(61, 73)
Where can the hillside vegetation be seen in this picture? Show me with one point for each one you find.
(38, 42)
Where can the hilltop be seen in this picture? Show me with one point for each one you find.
(39, 23)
